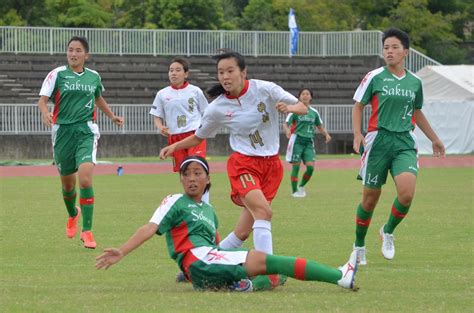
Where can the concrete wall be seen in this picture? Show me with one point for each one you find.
(18, 147)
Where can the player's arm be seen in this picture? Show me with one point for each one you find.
(162, 128)
(114, 255)
(323, 131)
(286, 129)
(299, 108)
(46, 115)
(104, 107)
(424, 125)
(186, 143)
(357, 110)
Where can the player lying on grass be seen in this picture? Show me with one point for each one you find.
(190, 226)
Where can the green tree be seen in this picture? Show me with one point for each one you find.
(11, 18)
(78, 13)
(430, 33)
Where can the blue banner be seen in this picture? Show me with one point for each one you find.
(293, 32)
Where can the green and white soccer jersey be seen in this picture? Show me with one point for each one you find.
(73, 94)
(303, 125)
(186, 224)
(393, 99)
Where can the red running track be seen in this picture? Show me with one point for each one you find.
(220, 167)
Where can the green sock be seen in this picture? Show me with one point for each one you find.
(87, 207)
(396, 216)
(70, 202)
(363, 219)
(267, 282)
(307, 175)
(301, 269)
(294, 177)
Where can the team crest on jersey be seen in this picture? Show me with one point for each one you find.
(191, 104)
(261, 107)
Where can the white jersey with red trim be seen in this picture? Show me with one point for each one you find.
(252, 118)
(180, 108)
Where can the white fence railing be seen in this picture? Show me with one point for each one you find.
(53, 40)
(18, 119)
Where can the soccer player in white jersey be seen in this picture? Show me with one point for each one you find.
(177, 111)
(76, 91)
(191, 229)
(249, 109)
(396, 97)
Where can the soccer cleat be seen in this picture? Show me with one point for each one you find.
(297, 194)
(349, 271)
(361, 255)
(181, 278)
(71, 225)
(88, 239)
(388, 246)
(302, 191)
(243, 285)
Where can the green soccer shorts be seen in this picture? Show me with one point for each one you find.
(300, 149)
(214, 268)
(387, 151)
(74, 144)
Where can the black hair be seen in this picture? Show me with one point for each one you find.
(303, 89)
(82, 40)
(217, 89)
(181, 61)
(399, 34)
(188, 160)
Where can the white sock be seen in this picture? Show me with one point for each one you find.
(230, 242)
(205, 197)
(262, 236)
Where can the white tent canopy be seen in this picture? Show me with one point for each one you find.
(449, 107)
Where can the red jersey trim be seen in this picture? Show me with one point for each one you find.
(57, 98)
(374, 117)
(186, 84)
(180, 238)
(246, 87)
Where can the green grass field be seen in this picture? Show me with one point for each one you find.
(43, 271)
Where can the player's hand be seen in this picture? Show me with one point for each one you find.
(358, 139)
(108, 258)
(328, 138)
(47, 119)
(164, 131)
(288, 133)
(438, 149)
(118, 120)
(282, 107)
(167, 151)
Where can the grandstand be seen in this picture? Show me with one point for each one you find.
(135, 79)
(134, 66)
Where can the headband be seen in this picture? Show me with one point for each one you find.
(194, 160)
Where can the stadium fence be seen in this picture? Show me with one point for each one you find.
(53, 40)
(21, 119)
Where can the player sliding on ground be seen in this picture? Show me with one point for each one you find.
(190, 226)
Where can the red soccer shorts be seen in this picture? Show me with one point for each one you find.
(180, 155)
(248, 173)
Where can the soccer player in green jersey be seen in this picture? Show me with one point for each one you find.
(396, 97)
(299, 129)
(76, 91)
(190, 226)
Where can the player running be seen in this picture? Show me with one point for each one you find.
(190, 226)
(76, 91)
(177, 111)
(249, 109)
(396, 97)
(299, 129)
